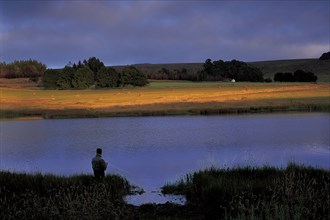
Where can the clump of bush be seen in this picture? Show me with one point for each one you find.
(297, 76)
(227, 70)
(92, 74)
(325, 56)
(22, 69)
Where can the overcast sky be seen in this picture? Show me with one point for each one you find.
(130, 32)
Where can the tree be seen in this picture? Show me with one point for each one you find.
(208, 66)
(278, 77)
(132, 76)
(288, 77)
(138, 77)
(80, 65)
(164, 73)
(50, 78)
(65, 79)
(238, 70)
(284, 77)
(95, 65)
(125, 78)
(302, 76)
(297, 76)
(325, 56)
(83, 78)
(22, 68)
(108, 77)
(201, 75)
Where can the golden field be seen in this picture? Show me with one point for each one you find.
(163, 98)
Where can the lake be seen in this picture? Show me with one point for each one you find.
(151, 151)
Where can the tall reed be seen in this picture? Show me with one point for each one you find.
(24, 196)
(296, 192)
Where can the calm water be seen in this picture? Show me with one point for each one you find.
(151, 151)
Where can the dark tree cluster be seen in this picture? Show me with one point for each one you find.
(93, 73)
(227, 70)
(166, 74)
(297, 76)
(325, 56)
(22, 69)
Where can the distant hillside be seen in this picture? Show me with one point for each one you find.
(321, 68)
(192, 68)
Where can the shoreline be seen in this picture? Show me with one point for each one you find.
(158, 110)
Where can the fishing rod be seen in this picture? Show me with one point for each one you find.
(119, 168)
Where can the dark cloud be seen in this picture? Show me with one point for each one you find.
(127, 32)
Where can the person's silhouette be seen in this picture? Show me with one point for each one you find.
(99, 165)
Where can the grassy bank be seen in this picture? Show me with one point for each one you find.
(296, 192)
(24, 196)
(165, 98)
(37, 196)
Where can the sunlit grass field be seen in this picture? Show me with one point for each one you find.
(164, 98)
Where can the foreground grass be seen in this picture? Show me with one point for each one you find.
(296, 192)
(165, 98)
(24, 196)
(37, 196)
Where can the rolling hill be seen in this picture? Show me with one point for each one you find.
(321, 68)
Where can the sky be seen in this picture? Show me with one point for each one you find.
(182, 31)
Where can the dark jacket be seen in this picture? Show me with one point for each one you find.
(98, 163)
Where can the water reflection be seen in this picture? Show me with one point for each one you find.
(151, 151)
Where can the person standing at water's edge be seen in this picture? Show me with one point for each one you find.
(99, 165)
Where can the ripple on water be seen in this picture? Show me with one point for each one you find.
(155, 197)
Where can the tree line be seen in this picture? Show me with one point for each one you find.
(176, 74)
(92, 73)
(325, 56)
(220, 70)
(297, 76)
(212, 71)
(22, 69)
